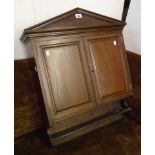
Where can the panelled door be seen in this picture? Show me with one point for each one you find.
(108, 66)
(64, 77)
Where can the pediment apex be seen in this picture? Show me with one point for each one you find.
(77, 18)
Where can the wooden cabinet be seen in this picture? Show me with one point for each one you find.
(83, 71)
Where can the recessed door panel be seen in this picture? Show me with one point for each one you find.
(108, 66)
(67, 77)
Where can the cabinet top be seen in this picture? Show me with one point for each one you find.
(76, 19)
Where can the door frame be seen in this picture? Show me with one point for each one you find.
(117, 96)
(45, 82)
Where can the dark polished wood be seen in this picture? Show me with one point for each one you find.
(68, 22)
(28, 96)
(69, 90)
(67, 71)
(83, 76)
(88, 126)
(109, 68)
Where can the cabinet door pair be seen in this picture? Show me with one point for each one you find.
(78, 74)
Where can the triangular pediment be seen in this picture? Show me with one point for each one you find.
(75, 19)
(69, 20)
(72, 22)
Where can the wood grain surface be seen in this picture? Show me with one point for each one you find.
(28, 97)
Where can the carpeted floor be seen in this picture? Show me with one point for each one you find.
(120, 138)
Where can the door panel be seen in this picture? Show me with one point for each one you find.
(67, 76)
(69, 83)
(108, 69)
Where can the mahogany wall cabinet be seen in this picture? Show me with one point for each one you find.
(83, 71)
